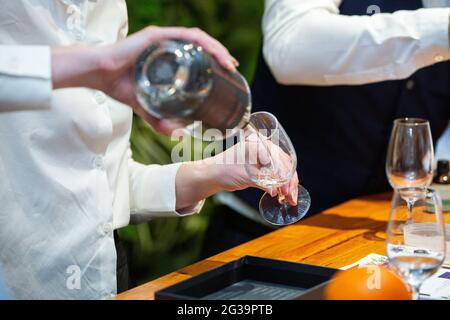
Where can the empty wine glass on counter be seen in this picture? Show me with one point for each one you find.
(409, 162)
(415, 242)
(271, 162)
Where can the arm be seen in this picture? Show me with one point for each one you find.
(109, 68)
(170, 190)
(154, 192)
(104, 68)
(180, 189)
(224, 172)
(309, 42)
(35, 70)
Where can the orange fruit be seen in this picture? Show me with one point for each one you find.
(367, 283)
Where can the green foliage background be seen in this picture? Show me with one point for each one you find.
(165, 245)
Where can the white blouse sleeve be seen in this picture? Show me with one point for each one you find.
(309, 42)
(25, 78)
(153, 192)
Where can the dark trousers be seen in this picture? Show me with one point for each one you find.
(124, 281)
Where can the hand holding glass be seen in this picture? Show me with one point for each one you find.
(271, 162)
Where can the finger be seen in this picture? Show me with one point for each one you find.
(159, 125)
(273, 192)
(293, 190)
(197, 36)
(285, 189)
(263, 154)
(224, 58)
(291, 195)
(208, 43)
(215, 48)
(165, 127)
(217, 51)
(257, 152)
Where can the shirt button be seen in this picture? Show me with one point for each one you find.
(438, 58)
(106, 229)
(99, 163)
(100, 97)
(410, 84)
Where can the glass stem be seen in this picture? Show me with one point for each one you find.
(415, 292)
(410, 206)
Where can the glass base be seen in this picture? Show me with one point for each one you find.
(284, 214)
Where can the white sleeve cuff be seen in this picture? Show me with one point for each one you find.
(191, 210)
(25, 78)
(153, 193)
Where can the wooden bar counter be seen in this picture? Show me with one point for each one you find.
(334, 238)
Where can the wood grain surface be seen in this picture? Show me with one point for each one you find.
(336, 237)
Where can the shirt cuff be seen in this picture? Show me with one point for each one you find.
(25, 78)
(191, 210)
(153, 193)
(434, 35)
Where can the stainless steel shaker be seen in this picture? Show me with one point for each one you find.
(179, 81)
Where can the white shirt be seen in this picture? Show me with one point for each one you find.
(67, 177)
(309, 42)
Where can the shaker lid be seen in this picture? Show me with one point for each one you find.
(171, 72)
(164, 68)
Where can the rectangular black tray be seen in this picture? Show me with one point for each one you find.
(250, 278)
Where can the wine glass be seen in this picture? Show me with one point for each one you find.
(409, 162)
(271, 162)
(415, 242)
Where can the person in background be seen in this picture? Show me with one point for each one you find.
(336, 74)
(67, 176)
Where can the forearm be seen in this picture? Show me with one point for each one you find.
(76, 66)
(196, 181)
(309, 42)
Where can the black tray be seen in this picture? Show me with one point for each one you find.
(250, 278)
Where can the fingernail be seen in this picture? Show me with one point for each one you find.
(236, 63)
(230, 66)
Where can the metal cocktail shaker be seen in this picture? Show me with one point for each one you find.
(179, 81)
